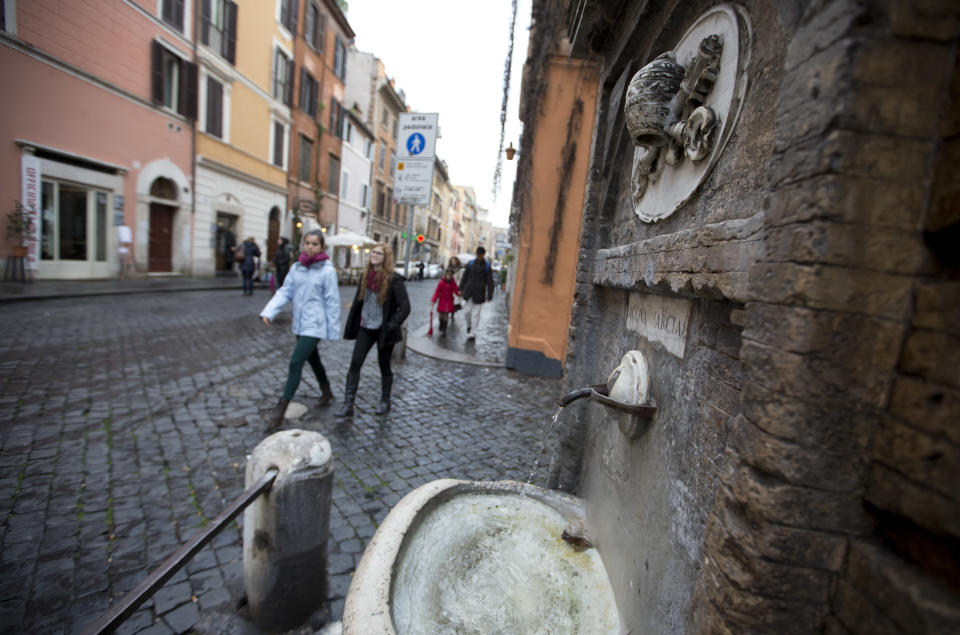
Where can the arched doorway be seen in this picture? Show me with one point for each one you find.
(273, 232)
(160, 246)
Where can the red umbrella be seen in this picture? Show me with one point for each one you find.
(430, 332)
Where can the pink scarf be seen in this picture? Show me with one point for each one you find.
(373, 281)
(306, 260)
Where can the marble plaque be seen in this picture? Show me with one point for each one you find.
(660, 319)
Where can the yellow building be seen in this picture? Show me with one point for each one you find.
(245, 59)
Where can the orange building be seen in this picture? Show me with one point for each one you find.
(548, 204)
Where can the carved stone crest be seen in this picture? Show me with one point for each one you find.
(678, 117)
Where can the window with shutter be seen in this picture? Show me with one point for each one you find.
(278, 139)
(340, 59)
(214, 119)
(305, 158)
(172, 13)
(288, 15)
(333, 184)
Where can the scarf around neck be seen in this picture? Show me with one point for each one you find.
(306, 260)
(373, 281)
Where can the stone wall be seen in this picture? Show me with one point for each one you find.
(800, 473)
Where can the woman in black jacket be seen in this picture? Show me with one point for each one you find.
(379, 309)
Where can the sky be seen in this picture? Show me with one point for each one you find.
(448, 57)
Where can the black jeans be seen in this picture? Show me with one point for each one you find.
(248, 282)
(366, 338)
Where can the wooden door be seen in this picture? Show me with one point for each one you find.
(161, 239)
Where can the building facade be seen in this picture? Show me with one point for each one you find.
(782, 278)
(374, 94)
(357, 165)
(98, 142)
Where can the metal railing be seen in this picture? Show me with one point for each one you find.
(143, 591)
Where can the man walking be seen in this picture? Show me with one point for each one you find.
(476, 285)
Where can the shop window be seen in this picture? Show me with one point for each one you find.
(73, 222)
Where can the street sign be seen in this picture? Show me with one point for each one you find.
(416, 135)
(413, 181)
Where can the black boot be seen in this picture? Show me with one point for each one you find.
(326, 396)
(276, 417)
(386, 383)
(349, 395)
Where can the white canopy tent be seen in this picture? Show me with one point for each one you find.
(349, 239)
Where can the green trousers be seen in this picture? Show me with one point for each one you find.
(304, 351)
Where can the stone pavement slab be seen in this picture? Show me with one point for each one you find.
(125, 421)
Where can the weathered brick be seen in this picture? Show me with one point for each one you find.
(933, 355)
(920, 456)
(858, 615)
(837, 470)
(829, 287)
(829, 422)
(780, 502)
(758, 575)
(747, 612)
(812, 378)
(925, 19)
(815, 94)
(870, 202)
(777, 542)
(891, 491)
(927, 406)
(880, 248)
(937, 306)
(821, 29)
(945, 197)
(913, 602)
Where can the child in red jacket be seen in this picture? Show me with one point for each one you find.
(443, 296)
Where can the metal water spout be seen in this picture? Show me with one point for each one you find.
(626, 392)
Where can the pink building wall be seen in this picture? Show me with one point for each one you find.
(109, 119)
(106, 38)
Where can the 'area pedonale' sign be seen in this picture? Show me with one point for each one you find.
(660, 319)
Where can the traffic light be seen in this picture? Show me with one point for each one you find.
(421, 238)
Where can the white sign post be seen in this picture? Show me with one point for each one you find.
(416, 148)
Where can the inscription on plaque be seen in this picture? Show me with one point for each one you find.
(660, 319)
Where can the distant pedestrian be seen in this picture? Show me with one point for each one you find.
(281, 259)
(476, 285)
(249, 256)
(455, 264)
(312, 286)
(443, 296)
(229, 247)
(376, 315)
(420, 271)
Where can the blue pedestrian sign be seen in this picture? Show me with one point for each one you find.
(417, 134)
(415, 143)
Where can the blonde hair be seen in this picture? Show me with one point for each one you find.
(385, 277)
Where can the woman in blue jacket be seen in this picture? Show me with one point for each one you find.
(312, 286)
(379, 308)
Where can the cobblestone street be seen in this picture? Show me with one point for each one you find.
(126, 424)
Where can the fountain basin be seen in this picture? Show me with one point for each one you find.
(479, 557)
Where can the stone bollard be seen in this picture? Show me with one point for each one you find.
(285, 530)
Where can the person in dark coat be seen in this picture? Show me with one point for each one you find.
(248, 253)
(281, 259)
(229, 247)
(476, 285)
(376, 315)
